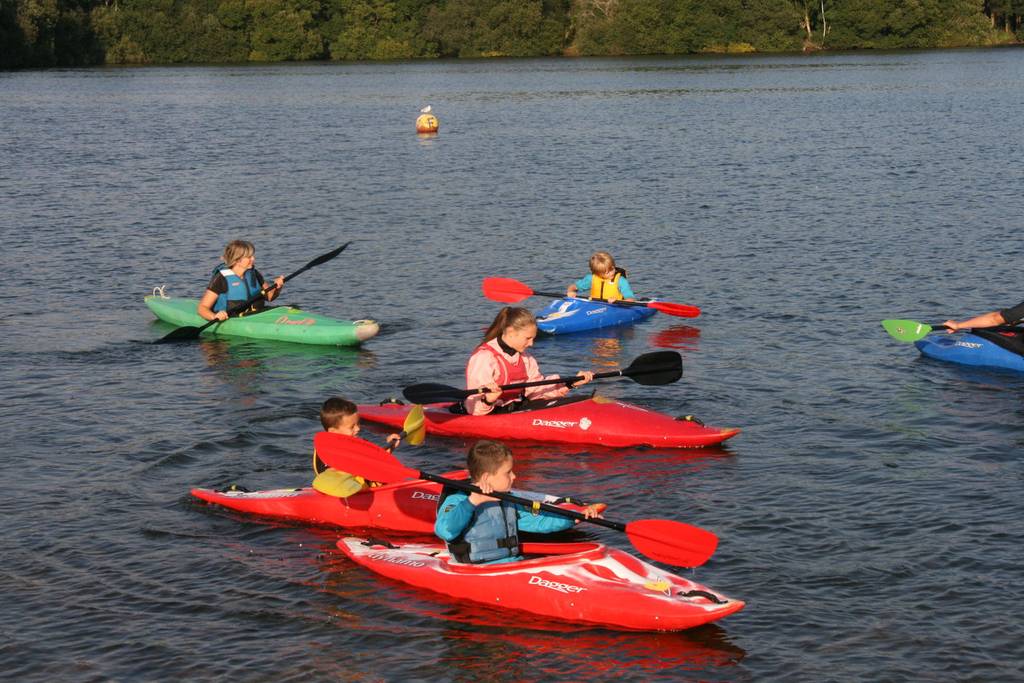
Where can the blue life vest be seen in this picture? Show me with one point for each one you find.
(491, 535)
(240, 289)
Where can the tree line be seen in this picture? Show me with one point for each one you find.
(45, 33)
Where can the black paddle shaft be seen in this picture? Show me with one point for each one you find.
(187, 333)
(617, 302)
(654, 369)
(526, 502)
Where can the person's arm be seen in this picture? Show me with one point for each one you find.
(542, 522)
(625, 290)
(1014, 314)
(270, 294)
(481, 371)
(454, 515)
(984, 320)
(582, 284)
(550, 390)
(205, 307)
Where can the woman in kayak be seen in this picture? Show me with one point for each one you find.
(235, 281)
(479, 528)
(606, 280)
(1005, 316)
(501, 358)
(341, 416)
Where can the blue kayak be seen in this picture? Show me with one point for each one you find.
(578, 315)
(980, 348)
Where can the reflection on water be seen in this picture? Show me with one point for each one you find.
(245, 363)
(682, 337)
(599, 349)
(556, 652)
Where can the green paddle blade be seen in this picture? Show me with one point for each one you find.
(906, 330)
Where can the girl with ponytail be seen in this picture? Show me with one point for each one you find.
(502, 358)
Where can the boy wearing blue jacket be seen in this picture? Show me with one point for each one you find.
(479, 528)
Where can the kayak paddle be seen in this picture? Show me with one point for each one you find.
(414, 429)
(663, 540)
(509, 291)
(189, 333)
(340, 484)
(908, 330)
(652, 369)
(911, 330)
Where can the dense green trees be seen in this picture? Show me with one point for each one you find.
(47, 33)
(916, 23)
(378, 29)
(497, 28)
(70, 32)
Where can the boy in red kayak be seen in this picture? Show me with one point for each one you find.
(481, 529)
(606, 280)
(341, 416)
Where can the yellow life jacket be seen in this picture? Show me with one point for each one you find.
(606, 289)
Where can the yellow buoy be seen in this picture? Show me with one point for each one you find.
(426, 123)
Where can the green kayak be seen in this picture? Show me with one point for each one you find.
(281, 323)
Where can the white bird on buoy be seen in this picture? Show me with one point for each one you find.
(425, 110)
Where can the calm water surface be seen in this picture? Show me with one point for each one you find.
(870, 512)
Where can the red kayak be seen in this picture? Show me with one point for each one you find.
(583, 420)
(409, 506)
(586, 583)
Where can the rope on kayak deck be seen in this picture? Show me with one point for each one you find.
(159, 291)
(702, 594)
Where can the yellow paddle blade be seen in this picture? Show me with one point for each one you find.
(336, 483)
(415, 426)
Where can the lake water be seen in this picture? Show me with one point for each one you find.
(870, 513)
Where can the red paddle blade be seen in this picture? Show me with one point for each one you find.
(505, 289)
(362, 458)
(678, 310)
(672, 542)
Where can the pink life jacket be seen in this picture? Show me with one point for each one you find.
(511, 373)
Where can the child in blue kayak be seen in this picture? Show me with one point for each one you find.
(341, 416)
(606, 280)
(479, 528)
(234, 281)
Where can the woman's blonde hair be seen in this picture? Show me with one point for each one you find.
(236, 251)
(509, 317)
